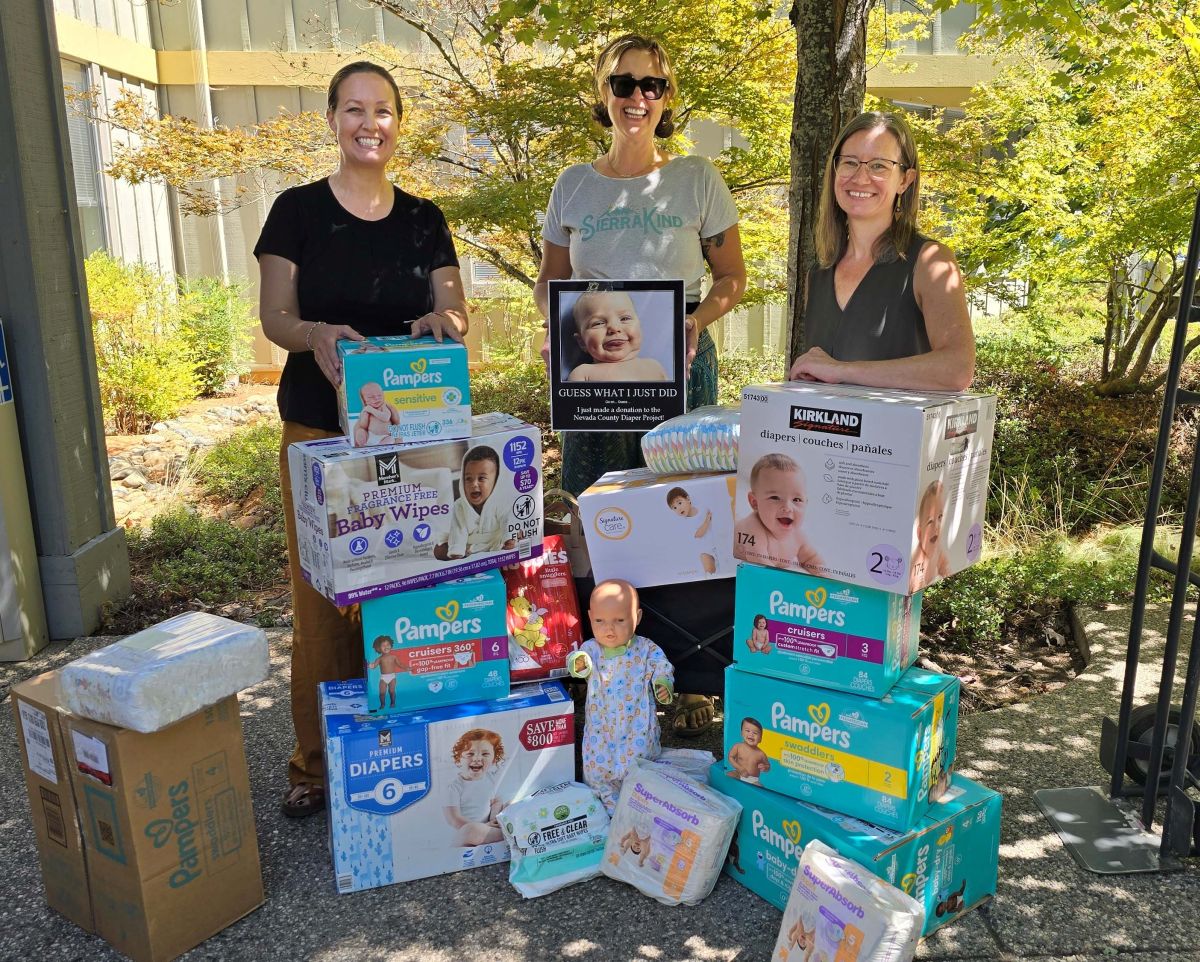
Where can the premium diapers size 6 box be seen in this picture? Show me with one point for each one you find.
(948, 861)
(417, 794)
(373, 521)
(441, 645)
(878, 759)
(878, 487)
(659, 529)
(399, 389)
(802, 628)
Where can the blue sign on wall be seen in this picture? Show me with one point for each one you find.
(6, 394)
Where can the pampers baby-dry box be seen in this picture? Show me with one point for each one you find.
(885, 488)
(399, 389)
(802, 628)
(415, 795)
(878, 759)
(373, 521)
(441, 645)
(948, 861)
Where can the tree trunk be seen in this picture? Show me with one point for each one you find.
(831, 79)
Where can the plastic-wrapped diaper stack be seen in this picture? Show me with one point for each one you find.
(705, 439)
(556, 837)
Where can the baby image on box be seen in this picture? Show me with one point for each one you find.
(699, 521)
(477, 521)
(759, 641)
(929, 561)
(374, 422)
(473, 807)
(772, 533)
(746, 760)
(602, 340)
(389, 664)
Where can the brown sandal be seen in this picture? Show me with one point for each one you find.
(304, 799)
(687, 709)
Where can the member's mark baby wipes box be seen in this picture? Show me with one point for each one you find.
(884, 488)
(418, 794)
(878, 759)
(441, 645)
(373, 521)
(397, 389)
(802, 628)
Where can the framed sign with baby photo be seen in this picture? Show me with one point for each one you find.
(617, 353)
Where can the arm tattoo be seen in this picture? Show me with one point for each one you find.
(717, 240)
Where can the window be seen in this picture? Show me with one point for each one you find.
(85, 162)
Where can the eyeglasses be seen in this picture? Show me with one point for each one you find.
(623, 84)
(877, 167)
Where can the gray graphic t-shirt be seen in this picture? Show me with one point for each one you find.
(640, 228)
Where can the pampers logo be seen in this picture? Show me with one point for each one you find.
(815, 727)
(814, 610)
(448, 623)
(183, 828)
(417, 375)
(647, 220)
(787, 841)
(826, 421)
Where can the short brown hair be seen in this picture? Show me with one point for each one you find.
(771, 462)
(606, 65)
(362, 66)
(676, 493)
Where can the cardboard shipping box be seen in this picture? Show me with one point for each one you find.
(146, 840)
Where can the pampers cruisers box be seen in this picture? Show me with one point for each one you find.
(884, 488)
(415, 795)
(948, 861)
(826, 633)
(399, 389)
(659, 529)
(878, 759)
(441, 645)
(373, 521)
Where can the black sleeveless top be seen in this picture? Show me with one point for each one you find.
(881, 321)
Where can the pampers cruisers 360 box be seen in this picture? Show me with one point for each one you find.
(417, 794)
(884, 488)
(373, 521)
(878, 759)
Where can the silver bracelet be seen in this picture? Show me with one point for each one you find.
(308, 337)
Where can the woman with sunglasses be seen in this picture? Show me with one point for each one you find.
(886, 305)
(686, 220)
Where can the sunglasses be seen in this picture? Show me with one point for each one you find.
(623, 84)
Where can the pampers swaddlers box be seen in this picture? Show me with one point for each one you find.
(877, 759)
(879, 487)
(373, 521)
(441, 645)
(802, 628)
(397, 389)
(412, 795)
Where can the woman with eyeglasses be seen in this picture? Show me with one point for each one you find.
(886, 305)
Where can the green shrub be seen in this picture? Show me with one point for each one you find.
(216, 322)
(737, 369)
(243, 464)
(515, 387)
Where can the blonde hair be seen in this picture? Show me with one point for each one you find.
(831, 230)
(606, 66)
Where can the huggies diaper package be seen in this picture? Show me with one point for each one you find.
(555, 838)
(884, 488)
(399, 389)
(441, 645)
(669, 834)
(948, 861)
(373, 521)
(803, 628)
(543, 614)
(880, 760)
(653, 529)
(419, 794)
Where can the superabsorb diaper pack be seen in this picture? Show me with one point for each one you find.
(801, 628)
(703, 439)
(877, 759)
(669, 834)
(555, 838)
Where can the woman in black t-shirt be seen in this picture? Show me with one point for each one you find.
(345, 257)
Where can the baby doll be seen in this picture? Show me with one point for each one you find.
(474, 807)
(771, 533)
(389, 664)
(621, 668)
(608, 330)
(929, 561)
(373, 425)
(760, 638)
(746, 760)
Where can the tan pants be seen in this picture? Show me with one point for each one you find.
(326, 640)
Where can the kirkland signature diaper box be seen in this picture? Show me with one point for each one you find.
(878, 759)
(827, 633)
(440, 645)
(400, 389)
(373, 521)
(659, 529)
(948, 861)
(884, 488)
(415, 795)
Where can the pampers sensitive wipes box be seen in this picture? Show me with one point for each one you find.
(417, 794)
(398, 389)
(441, 645)
(802, 628)
(879, 759)
(948, 861)
(373, 521)
(885, 488)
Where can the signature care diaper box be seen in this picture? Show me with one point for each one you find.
(948, 861)
(418, 794)
(655, 529)
(893, 484)
(826, 633)
(403, 388)
(876, 759)
(374, 521)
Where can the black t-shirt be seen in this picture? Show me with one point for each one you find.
(371, 275)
